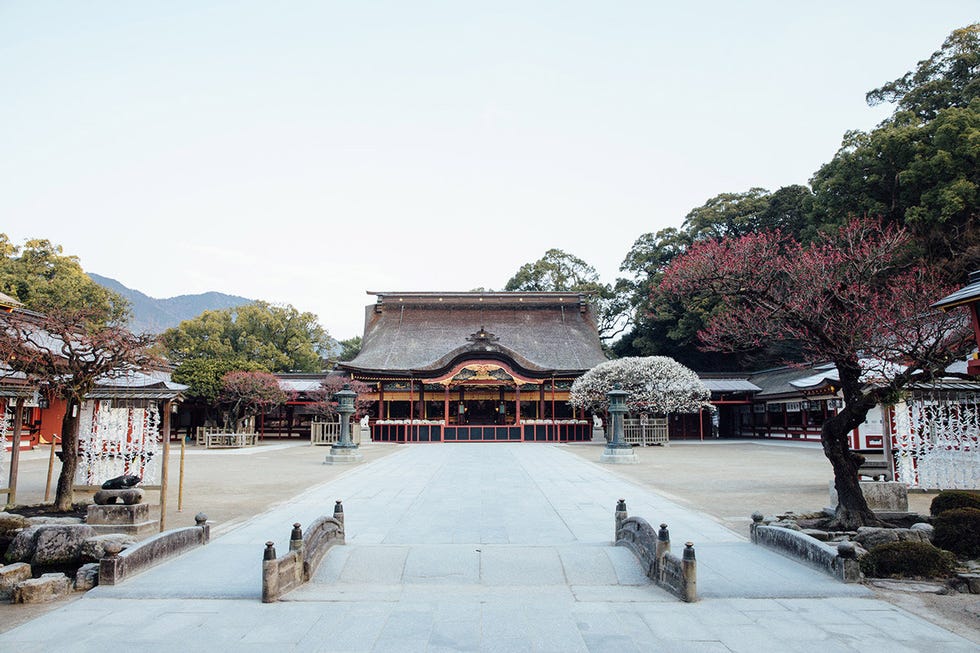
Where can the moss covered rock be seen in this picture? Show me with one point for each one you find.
(952, 499)
(958, 530)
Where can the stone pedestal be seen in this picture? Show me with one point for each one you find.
(343, 455)
(887, 499)
(619, 455)
(129, 519)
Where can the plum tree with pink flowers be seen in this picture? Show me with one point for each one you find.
(846, 298)
(245, 394)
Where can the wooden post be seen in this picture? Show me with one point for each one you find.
(15, 449)
(47, 483)
(180, 479)
(886, 440)
(165, 465)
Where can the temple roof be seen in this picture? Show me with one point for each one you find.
(966, 295)
(542, 333)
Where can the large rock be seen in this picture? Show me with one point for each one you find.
(870, 536)
(44, 520)
(11, 522)
(49, 587)
(58, 545)
(10, 576)
(94, 547)
(22, 548)
(925, 528)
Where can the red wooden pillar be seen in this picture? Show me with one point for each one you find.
(445, 402)
(554, 420)
(411, 410)
(517, 408)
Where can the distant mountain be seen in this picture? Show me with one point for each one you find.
(152, 315)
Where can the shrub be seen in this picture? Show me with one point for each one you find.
(907, 559)
(958, 530)
(951, 499)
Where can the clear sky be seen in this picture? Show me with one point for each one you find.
(306, 152)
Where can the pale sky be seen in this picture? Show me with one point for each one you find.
(307, 152)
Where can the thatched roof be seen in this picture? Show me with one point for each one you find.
(539, 333)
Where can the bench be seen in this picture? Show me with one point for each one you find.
(230, 440)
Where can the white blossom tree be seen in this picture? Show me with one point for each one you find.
(657, 385)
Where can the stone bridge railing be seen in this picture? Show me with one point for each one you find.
(281, 575)
(840, 561)
(677, 575)
(116, 566)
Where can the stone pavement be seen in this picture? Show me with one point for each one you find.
(481, 547)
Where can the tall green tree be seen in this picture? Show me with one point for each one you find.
(667, 327)
(559, 271)
(921, 167)
(727, 214)
(949, 78)
(349, 348)
(276, 338)
(253, 337)
(44, 279)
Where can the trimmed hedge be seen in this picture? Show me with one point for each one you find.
(952, 499)
(907, 559)
(958, 531)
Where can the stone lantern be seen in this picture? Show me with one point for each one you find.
(344, 451)
(617, 451)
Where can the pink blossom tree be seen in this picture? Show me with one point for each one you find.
(324, 401)
(846, 298)
(69, 350)
(245, 394)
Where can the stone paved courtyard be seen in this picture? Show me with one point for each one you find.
(493, 547)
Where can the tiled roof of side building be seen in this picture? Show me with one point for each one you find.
(965, 295)
(778, 381)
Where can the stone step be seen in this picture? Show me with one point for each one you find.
(10, 575)
(49, 587)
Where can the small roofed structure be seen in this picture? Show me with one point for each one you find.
(968, 296)
(8, 303)
(450, 366)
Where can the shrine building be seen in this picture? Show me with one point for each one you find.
(476, 366)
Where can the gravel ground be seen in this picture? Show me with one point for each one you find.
(726, 479)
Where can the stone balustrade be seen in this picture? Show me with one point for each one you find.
(840, 561)
(676, 575)
(117, 566)
(282, 575)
